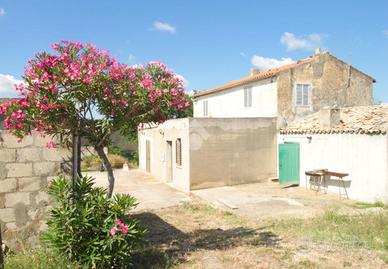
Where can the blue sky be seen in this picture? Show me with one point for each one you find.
(207, 42)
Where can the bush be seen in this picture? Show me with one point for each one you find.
(117, 161)
(92, 162)
(90, 228)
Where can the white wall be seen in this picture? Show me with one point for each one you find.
(230, 103)
(158, 137)
(364, 157)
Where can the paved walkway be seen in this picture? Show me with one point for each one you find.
(258, 200)
(150, 193)
(271, 200)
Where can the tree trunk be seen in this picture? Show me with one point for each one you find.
(108, 166)
(76, 165)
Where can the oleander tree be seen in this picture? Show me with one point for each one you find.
(81, 91)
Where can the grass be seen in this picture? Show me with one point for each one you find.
(40, 258)
(363, 205)
(195, 235)
(369, 230)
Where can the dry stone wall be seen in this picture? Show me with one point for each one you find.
(26, 167)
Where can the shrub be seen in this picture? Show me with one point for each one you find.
(89, 227)
(90, 163)
(116, 150)
(117, 161)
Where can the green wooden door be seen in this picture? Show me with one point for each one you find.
(289, 163)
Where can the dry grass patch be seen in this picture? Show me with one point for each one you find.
(195, 235)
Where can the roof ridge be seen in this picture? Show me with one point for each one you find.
(261, 75)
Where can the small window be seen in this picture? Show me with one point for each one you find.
(178, 148)
(205, 108)
(303, 94)
(248, 97)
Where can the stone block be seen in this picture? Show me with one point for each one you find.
(28, 155)
(11, 226)
(56, 155)
(21, 215)
(8, 185)
(33, 213)
(11, 141)
(7, 215)
(42, 198)
(12, 199)
(3, 171)
(30, 183)
(2, 200)
(46, 168)
(7, 155)
(40, 141)
(19, 169)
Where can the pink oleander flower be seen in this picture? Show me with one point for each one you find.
(119, 222)
(113, 231)
(51, 144)
(174, 92)
(147, 83)
(124, 228)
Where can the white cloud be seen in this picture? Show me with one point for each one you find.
(308, 42)
(267, 63)
(385, 33)
(7, 83)
(164, 27)
(131, 58)
(186, 83)
(2, 12)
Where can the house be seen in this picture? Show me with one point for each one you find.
(197, 153)
(289, 91)
(239, 129)
(351, 140)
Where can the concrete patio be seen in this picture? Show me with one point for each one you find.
(259, 200)
(150, 193)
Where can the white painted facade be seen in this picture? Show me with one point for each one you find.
(170, 130)
(363, 157)
(230, 103)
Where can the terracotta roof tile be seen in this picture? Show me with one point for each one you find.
(259, 76)
(358, 119)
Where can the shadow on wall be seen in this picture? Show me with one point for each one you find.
(167, 243)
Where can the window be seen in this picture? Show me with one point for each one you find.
(303, 94)
(178, 153)
(248, 97)
(205, 108)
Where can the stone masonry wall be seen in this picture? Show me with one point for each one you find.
(25, 169)
(334, 84)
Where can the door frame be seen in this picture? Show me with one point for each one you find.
(169, 161)
(148, 156)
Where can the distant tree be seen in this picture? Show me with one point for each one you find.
(80, 91)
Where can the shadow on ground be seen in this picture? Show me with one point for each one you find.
(167, 245)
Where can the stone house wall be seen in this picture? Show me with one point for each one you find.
(25, 169)
(334, 84)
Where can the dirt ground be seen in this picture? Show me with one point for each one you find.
(238, 227)
(195, 235)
